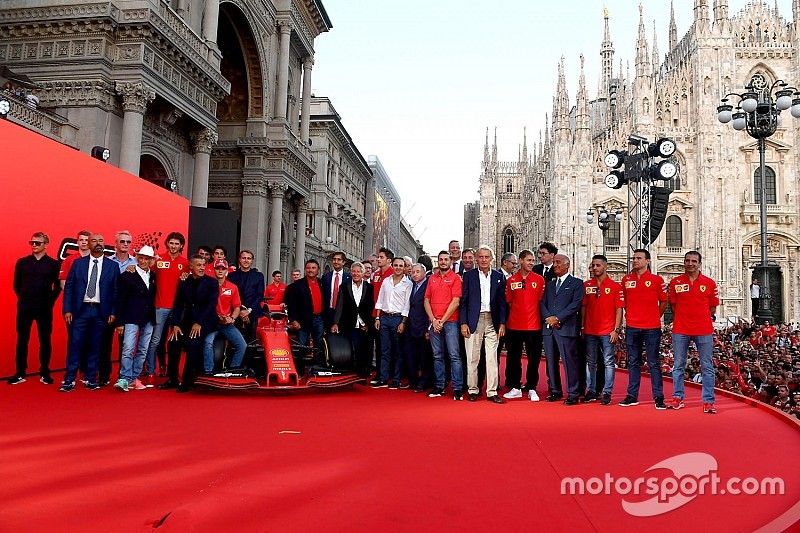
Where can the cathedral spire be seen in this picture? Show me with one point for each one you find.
(494, 146)
(524, 143)
(486, 147)
(721, 12)
(582, 109)
(673, 28)
(607, 59)
(796, 15)
(642, 60)
(701, 13)
(656, 58)
(561, 104)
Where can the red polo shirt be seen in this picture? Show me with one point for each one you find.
(228, 299)
(691, 303)
(600, 306)
(316, 295)
(440, 292)
(523, 296)
(274, 293)
(66, 264)
(377, 278)
(643, 294)
(168, 275)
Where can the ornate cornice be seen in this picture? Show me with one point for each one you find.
(135, 96)
(254, 187)
(204, 141)
(87, 93)
(277, 189)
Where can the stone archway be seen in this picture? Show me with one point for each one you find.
(153, 170)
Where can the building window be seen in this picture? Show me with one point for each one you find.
(772, 193)
(612, 234)
(674, 232)
(508, 241)
(509, 186)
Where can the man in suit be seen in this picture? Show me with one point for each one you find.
(547, 253)
(305, 304)
(250, 283)
(193, 317)
(418, 354)
(136, 317)
(331, 283)
(560, 309)
(353, 316)
(89, 306)
(454, 249)
(482, 317)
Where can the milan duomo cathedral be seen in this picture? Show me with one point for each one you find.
(546, 193)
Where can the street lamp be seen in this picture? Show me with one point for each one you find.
(758, 112)
(604, 218)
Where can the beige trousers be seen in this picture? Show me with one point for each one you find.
(484, 332)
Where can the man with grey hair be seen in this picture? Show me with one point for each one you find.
(353, 316)
(409, 263)
(482, 317)
(417, 348)
(508, 264)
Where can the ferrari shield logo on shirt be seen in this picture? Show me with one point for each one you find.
(648, 283)
(608, 290)
(702, 288)
(630, 284)
(682, 288)
(534, 284)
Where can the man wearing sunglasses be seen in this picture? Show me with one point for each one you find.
(37, 287)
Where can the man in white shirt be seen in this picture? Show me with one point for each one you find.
(392, 315)
(353, 317)
(755, 295)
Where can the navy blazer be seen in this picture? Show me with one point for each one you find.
(566, 306)
(326, 282)
(251, 290)
(471, 299)
(136, 302)
(418, 322)
(78, 279)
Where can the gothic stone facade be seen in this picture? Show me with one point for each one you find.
(545, 195)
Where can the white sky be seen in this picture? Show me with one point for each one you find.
(417, 82)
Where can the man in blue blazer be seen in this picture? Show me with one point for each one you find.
(560, 308)
(90, 295)
(331, 283)
(483, 317)
(418, 353)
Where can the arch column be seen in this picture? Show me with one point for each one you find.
(305, 113)
(135, 97)
(277, 191)
(254, 217)
(300, 241)
(203, 143)
(281, 91)
(209, 30)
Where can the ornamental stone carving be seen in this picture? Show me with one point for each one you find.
(277, 189)
(135, 96)
(254, 187)
(204, 141)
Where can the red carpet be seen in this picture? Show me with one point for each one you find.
(365, 459)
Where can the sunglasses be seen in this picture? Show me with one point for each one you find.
(124, 242)
(35, 243)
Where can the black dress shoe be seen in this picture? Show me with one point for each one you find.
(183, 388)
(571, 401)
(496, 399)
(553, 397)
(472, 397)
(169, 384)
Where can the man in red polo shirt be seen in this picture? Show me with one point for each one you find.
(229, 306)
(524, 290)
(694, 299)
(276, 290)
(170, 269)
(645, 302)
(383, 270)
(603, 302)
(442, 298)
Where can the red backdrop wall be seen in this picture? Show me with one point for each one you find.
(49, 187)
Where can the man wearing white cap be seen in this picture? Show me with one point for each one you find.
(136, 316)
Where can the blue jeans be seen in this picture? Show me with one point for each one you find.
(449, 337)
(233, 336)
(705, 347)
(599, 345)
(162, 314)
(652, 340)
(136, 339)
(390, 349)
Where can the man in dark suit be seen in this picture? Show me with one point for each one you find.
(136, 317)
(89, 306)
(331, 283)
(547, 253)
(353, 316)
(418, 353)
(193, 317)
(560, 309)
(304, 303)
(483, 317)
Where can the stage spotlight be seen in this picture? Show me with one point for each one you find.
(171, 185)
(101, 153)
(615, 179)
(5, 107)
(665, 170)
(615, 158)
(661, 148)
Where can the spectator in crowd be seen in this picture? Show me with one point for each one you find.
(755, 295)
(276, 290)
(250, 283)
(37, 288)
(442, 298)
(353, 316)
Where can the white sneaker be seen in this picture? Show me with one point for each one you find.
(532, 396)
(513, 393)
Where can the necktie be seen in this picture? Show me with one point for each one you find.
(335, 290)
(544, 272)
(558, 285)
(91, 288)
(455, 267)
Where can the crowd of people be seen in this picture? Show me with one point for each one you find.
(411, 324)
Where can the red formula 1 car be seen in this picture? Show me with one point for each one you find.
(280, 370)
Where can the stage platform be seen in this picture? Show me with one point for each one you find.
(379, 460)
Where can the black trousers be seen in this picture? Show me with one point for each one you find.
(532, 340)
(44, 327)
(194, 358)
(419, 361)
